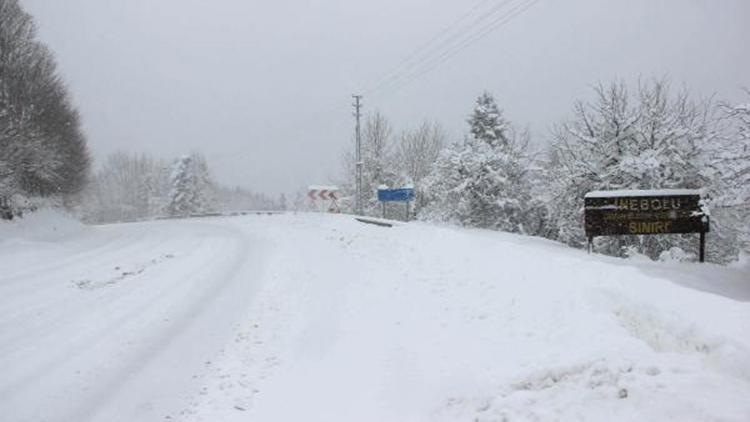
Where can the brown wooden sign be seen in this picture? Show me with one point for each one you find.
(635, 212)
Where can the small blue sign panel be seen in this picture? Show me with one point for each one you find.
(403, 194)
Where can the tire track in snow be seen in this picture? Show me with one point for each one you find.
(41, 312)
(134, 333)
(102, 247)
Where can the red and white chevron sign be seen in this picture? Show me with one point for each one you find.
(323, 192)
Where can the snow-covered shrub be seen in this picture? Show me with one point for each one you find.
(632, 252)
(676, 254)
(477, 185)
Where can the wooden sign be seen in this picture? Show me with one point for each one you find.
(645, 212)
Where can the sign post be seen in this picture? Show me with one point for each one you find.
(396, 195)
(645, 212)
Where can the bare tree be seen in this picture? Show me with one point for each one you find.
(127, 187)
(730, 164)
(418, 150)
(377, 140)
(378, 166)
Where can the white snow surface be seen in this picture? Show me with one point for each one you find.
(641, 192)
(314, 317)
(323, 187)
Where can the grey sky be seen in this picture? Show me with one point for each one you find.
(263, 87)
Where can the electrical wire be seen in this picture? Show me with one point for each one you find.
(467, 38)
(466, 43)
(439, 43)
(426, 47)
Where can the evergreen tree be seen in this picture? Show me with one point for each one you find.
(487, 123)
(483, 183)
(191, 187)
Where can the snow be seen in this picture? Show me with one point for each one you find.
(637, 192)
(43, 225)
(313, 317)
(323, 187)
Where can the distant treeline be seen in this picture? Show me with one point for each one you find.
(131, 187)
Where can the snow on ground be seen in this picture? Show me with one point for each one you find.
(321, 318)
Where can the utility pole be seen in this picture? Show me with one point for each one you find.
(357, 114)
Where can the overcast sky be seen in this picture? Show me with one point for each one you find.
(263, 88)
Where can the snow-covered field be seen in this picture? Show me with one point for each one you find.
(320, 318)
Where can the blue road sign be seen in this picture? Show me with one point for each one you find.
(403, 194)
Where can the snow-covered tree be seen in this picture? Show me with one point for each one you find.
(487, 123)
(191, 191)
(378, 163)
(484, 182)
(650, 140)
(42, 148)
(730, 172)
(418, 149)
(131, 187)
(127, 187)
(416, 154)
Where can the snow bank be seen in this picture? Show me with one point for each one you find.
(419, 323)
(644, 192)
(42, 225)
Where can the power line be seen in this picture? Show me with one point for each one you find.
(466, 43)
(425, 52)
(449, 42)
(429, 63)
(426, 46)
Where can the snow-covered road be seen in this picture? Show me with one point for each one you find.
(113, 323)
(321, 318)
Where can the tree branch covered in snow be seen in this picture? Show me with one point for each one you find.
(485, 181)
(42, 148)
(650, 139)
